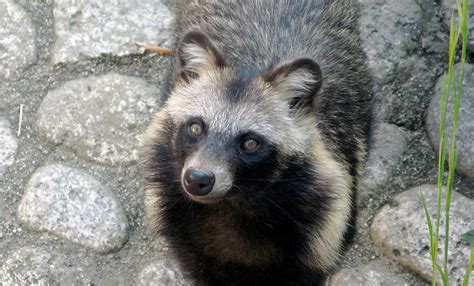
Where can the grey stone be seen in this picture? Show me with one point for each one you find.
(385, 42)
(99, 117)
(90, 28)
(465, 133)
(8, 145)
(394, 35)
(450, 5)
(389, 142)
(27, 266)
(401, 232)
(17, 40)
(373, 274)
(162, 272)
(73, 205)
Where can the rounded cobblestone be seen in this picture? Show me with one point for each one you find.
(385, 42)
(162, 272)
(8, 145)
(373, 274)
(33, 266)
(89, 29)
(74, 205)
(389, 143)
(394, 35)
(99, 117)
(400, 231)
(17, 40)
(465, 133)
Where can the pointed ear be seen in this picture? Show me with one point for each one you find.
(299, 80)
(195, 52)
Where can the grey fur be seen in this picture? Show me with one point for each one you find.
(324, 30)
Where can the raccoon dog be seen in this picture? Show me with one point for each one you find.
(254, 159)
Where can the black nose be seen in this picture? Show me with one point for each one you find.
(198, 182)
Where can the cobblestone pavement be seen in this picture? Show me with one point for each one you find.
(71, 195)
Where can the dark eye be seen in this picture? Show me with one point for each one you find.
(250, 145)
(195, 129)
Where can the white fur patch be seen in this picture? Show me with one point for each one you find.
(195, 57)
(153, 212)
(297, 83)
(326, 242)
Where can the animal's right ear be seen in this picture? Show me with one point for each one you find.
(195, 52)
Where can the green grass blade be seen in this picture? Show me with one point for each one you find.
(469, 265)
(444, 276)
(427, 214)
(442, 135)
(433, 241)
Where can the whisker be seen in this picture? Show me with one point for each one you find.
(279, 207)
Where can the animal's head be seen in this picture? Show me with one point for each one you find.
(225, 130)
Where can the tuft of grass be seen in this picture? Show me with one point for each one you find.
(455, 87)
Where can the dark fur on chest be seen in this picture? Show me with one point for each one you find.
(254, 242)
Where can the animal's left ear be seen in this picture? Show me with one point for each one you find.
(299, 80)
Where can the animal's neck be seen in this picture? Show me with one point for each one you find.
(225, 235)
